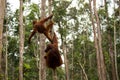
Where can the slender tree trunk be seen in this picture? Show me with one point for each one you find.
(102, 63)
(42, 65)
(115, 55)
(72, 73)
(2, 14)
(6, 58)
(36, 51)
(50, 12)
(112, 58)
(115, 52)
(65, 61)
(111, 53)
(52, 34)
(84, 73)
(96, 42)
(21, 43)
(54, 75)
(5, 44)
(13, 70)
(65, 55)
(103, 67)
(50, 6)
(84, 60)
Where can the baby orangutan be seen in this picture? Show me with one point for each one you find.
(53, 58)
(39, 26)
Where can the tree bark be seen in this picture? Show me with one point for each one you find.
(2, 14)
(6, 55)
(42, 65)
(66, 62)
(65, 59)
(95, 42)
(111, 52)
(98, 43)
(50, 6)
(21, 42)
(65, 55)
(102, 62)
(52, 34)
(50, 12)
(84, 73)
(72, 73)
(115, 52)
(115, 55)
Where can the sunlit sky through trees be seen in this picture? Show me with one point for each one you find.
(15, 4)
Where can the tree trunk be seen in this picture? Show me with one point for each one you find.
(66, 62)
(98, 45)
(83, 71)
(115, 56)
(72, 73)
(52, 34)
(115, 53)
(6, 52)
(13, 69)
(111, 53)
(36, 51)
(50, 12)
(21, 43)
(42, 65)
(95, 42)
(50, 7)
(2, 14)
(102, 62)
(54, 75)
(65, 55)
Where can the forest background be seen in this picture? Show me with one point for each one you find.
(88, 32)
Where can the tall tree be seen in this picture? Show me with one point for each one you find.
(6, 46)
(115, 51)
(42, 66)
(111, 52)
(95, 41)
(50, 6)
(2, 14)
(98, 43)
(64, 48)
(6, 54)
(21, 42)
(65, 59)
(102, 62)
(50, 12)
(52, 32)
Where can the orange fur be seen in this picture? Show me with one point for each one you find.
(39, 26)
(53, 58)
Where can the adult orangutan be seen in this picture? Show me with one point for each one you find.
(53, 58)
(39, 26)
